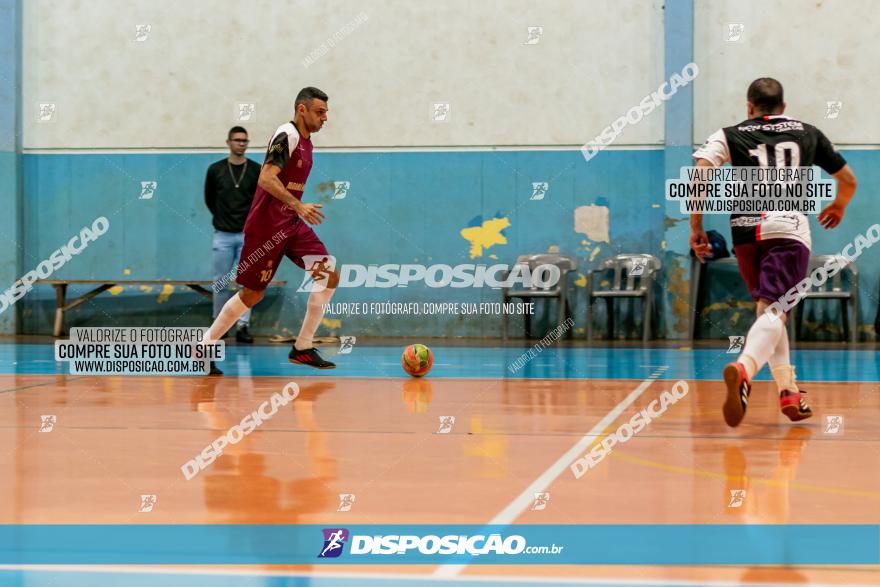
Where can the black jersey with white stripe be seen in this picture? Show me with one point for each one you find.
(771, 141)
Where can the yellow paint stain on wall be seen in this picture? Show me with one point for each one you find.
(116, 290)
(679, 287)
(493, 256)
(581, 280)
(332, 323)
(166, 292)
(146, 288)
(126, 271)
(728, 305)
(595, 253)
(663, 245)
(486, 235)
(835, 329)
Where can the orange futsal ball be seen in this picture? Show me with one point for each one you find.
(417, 360)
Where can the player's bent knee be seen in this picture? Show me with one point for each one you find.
(333, 280)
(763, 306)
(250, 297)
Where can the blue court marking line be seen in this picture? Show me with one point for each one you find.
(492, 363)
(89, 576)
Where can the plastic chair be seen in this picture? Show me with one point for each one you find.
(634, 276)
(832, 290)
(558, 291)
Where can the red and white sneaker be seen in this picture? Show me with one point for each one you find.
(738, 390)
(793, 405)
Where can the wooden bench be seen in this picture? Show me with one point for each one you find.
(61, 304)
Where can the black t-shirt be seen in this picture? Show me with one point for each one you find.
(229, 204)
(771, 141)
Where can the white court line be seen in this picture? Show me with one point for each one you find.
(398, 576)
(509, 514)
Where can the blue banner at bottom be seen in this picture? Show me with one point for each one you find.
(664, 544)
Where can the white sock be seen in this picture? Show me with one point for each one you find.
(314, 315)
(780, 354)
(780, 366)
(784, 377)
(232, 311)
(761, 340)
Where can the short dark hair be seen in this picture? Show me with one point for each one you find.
(765, 94)
(234, 130)
(306, 95)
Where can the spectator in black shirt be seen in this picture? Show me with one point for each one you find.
(229, 189)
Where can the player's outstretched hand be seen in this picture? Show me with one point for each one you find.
(700, 244)
(831, 215)
(311, 213)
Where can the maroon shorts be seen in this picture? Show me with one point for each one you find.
(261, 255)
(772, 267)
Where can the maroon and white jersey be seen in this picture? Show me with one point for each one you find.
(771, 141)
(293, 154)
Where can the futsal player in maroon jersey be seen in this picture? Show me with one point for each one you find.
(277, 209)
(772, 248)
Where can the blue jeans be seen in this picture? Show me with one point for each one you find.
(227, 250)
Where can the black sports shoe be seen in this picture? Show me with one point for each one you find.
(214, 369)
(243, 336)
(309, 357)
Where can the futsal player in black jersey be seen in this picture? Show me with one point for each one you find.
(772, 248)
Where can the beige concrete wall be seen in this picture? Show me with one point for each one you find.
(821, 51)
(384, 64)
